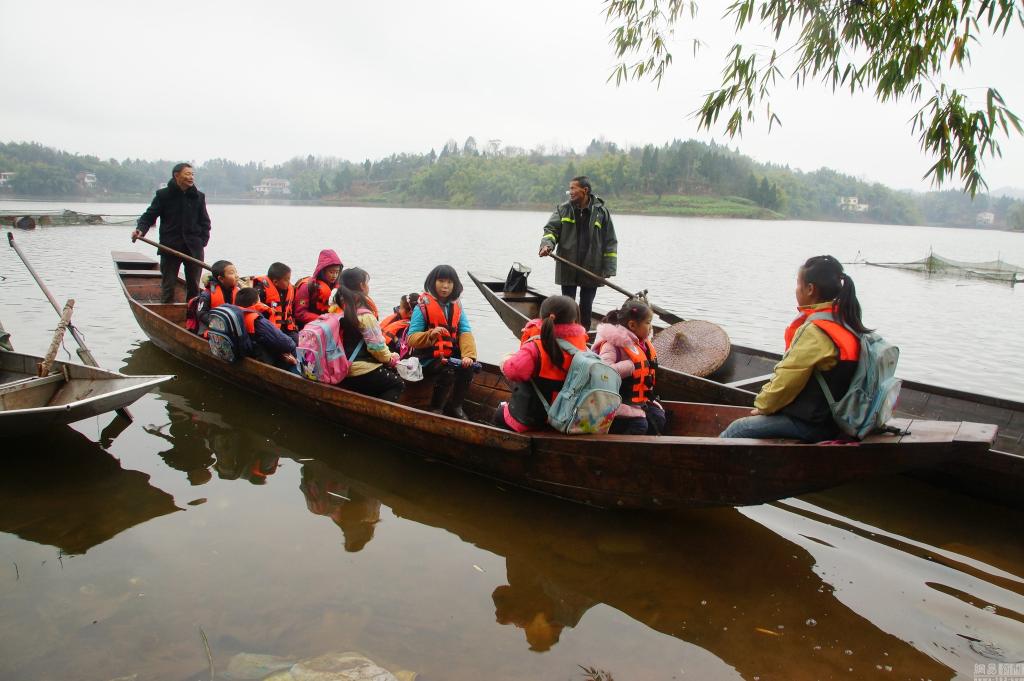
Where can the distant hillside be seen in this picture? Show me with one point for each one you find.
(1009, 192)
(677, 178)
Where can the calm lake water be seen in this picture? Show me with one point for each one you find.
(275, 532)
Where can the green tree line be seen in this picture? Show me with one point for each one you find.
(679, 177)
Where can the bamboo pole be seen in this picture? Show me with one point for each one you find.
(58, 337)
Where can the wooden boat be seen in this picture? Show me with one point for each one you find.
(687, 467)
(747, 369)
(69, 393)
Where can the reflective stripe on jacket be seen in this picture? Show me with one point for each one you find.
(434, 317)
(638, 387)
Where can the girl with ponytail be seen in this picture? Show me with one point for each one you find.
(823, 338)
(623, 342)
(540, 362)
(372, 371)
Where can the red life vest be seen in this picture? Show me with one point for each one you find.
(434, 317)
(280, 310)
(320, 300)
(846, 342)
(638, 387)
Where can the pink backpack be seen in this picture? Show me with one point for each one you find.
(321, 352)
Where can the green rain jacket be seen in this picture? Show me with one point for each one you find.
(561, 233)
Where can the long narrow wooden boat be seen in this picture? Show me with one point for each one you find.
(747, 369)
(687, 467)
(70, 392)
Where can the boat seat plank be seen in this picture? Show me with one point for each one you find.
(29, 383)
(753, 380)
(975, 432)
(139, 273)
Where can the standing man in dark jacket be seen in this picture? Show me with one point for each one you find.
(184, 226)
(582, 230)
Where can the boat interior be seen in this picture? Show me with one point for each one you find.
(141, 277)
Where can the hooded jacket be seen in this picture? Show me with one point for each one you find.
(305, 307)
(600, 256)
(609, 338)
(184, 222)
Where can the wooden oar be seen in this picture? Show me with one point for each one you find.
(667, 316)
(168, 249)
(83, 351)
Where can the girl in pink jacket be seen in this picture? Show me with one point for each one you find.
(623, 343)
(540, 364)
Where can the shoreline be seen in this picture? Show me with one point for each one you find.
(751, 212)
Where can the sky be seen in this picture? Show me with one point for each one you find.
(268, 81)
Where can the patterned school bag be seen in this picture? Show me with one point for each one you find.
(589, 398)
(229, 341)
(321, 353)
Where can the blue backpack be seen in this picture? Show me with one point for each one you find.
(589, 398)
(874, 388)
(229, 341)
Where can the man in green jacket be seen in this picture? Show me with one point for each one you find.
(582, 230)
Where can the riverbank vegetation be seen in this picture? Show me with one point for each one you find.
(687, 178)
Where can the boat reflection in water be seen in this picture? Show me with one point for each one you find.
(795, 590)
(889, 579)
(200, 442)
(64, 490)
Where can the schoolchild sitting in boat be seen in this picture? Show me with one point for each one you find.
(623, 342)
(440, 335)
(792, 404)
(396, 325)
(269, 344)
(222, 287)
(540, 361)
(373, 365)
(313, 294)
(277, 293)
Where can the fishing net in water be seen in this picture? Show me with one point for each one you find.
(997, 269)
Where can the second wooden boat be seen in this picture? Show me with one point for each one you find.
(70, 392)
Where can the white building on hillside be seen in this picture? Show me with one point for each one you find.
(273, 186)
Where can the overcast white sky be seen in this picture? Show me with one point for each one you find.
(268, 81)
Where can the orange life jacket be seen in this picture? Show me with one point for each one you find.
(810, 404)
(321, 298)
(394, 325)
(217, 294)
(280, 310)
(549, 379)
(433, 316)
(638, 387)
(846, 342)
(249, 314)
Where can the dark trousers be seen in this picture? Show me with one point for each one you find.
(169, 266)
(383, 383)
(587, 294)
